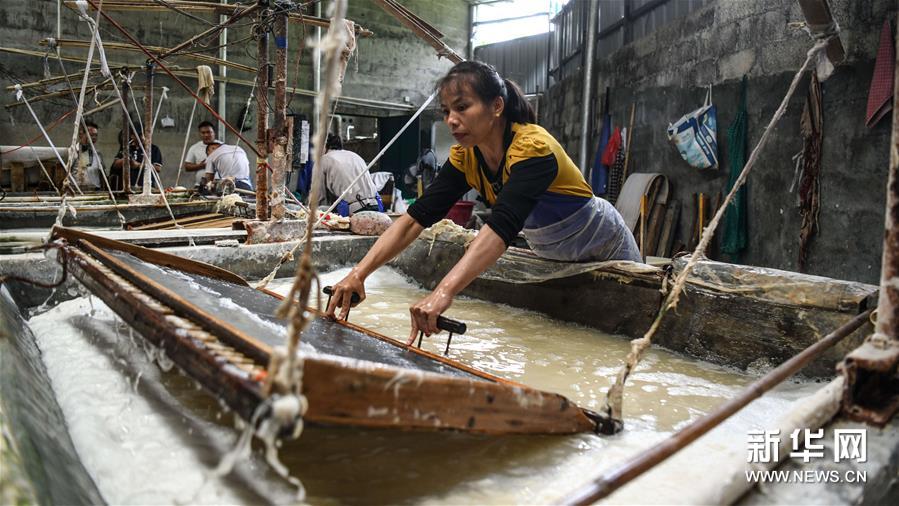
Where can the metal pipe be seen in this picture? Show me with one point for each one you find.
(279, 135)
(616, 478)
(587, 92)
(262, 85)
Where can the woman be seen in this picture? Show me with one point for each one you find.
(521, 171)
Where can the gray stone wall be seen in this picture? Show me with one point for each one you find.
(394, 65)
(665, 73)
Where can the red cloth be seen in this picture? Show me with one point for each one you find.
(880, 95)
(608, 156)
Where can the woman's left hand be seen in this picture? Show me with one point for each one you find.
(425, 312)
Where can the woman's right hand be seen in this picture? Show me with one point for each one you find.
(343, 293)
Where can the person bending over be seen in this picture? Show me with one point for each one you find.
(521, 171)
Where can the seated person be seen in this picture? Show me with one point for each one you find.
(339, 168)
(90, 164)
(228, 161)
(195, 160)
(135, 156)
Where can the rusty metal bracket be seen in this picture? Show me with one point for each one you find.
(871, 391)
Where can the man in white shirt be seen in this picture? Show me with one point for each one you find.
(195, 160)
(228, 161)
(90, 164)
(339, 168)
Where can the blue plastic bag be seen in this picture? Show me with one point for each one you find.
(696, 135)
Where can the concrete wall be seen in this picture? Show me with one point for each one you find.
(664, 74)
(394, 66)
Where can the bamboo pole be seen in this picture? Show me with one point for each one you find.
(166, 52)
(887, 320)
(627, 148)
(217, 8)
(210, 32)
(262, 118)
(168, 71)
(642, 226)
(279, 136)
(66, 91)
(616, 478)
(148, 132)
(423, 30)
(126, 139)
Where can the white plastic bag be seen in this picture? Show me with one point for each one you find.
(695, 135)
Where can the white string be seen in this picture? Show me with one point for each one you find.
(44, 169)
(162, 98)
(190, 123)
(21, 97)
(126, 157)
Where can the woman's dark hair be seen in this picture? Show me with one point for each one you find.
(487, 84)
(334, 142)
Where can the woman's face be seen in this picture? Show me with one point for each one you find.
(469, 119)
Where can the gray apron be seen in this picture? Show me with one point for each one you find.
(595, 232)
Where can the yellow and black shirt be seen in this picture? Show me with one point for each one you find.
(537, 184)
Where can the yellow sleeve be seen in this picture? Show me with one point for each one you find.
(525, 147)
(458, 157)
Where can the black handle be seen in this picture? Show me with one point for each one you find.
(329, 291)
(443, 323)
(450, 325)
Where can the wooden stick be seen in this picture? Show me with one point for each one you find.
(627, 150)
(126, 46)
(642, 226)
(701, 216)
(218, 8)
(613, 480)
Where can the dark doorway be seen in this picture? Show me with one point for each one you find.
(403, 153)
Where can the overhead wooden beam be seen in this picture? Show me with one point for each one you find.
(820, 23)
(181, 72)
(422, 29)
(126, 46)
(208, 7)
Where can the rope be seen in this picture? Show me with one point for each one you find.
(21, 97)
(74, 148)
(288, 377)
(163, 98)
(34, 139)
(613, 403)
(312, 204)
(175, 78)
(46, 173)
(104, 69)
(190, 123)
